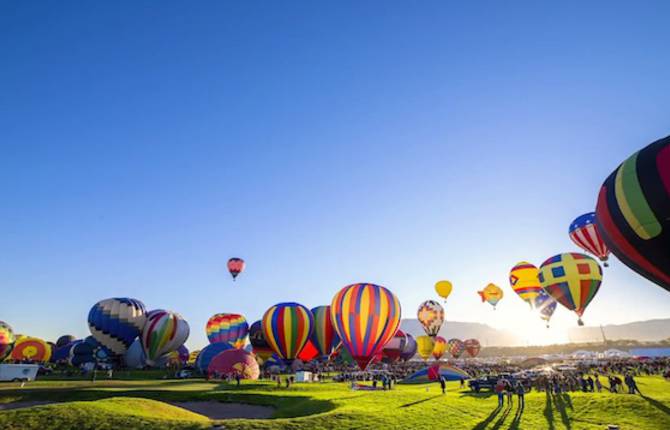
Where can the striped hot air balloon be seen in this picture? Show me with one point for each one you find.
(163, 332)
(287, 327)
(115, 323)
(259, 345)
(366, 316)
(324, 337)
(7, 340)
(229, 328)
(523, 278)
(633, 212)
(31, 349)
(584, 232)
(455, 347)
(572, 279)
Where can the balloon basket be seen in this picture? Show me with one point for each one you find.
(580, 322)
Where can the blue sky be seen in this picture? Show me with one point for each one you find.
(144, 143)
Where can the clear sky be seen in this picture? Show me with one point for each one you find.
(144, 143)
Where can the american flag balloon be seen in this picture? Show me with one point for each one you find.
(584, 232)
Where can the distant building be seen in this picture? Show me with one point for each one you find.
(650, 352)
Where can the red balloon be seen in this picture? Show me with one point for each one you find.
(308, 352)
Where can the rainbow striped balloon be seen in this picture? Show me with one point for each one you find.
(287, 327)
(324, 337)
(163, 332)
(366, 316)
(7, 340)
(229, 328)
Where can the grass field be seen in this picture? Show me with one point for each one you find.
(132, 404)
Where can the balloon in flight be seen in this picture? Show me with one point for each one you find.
(491, 294)
(236, 266)
(546, 306)
(439, 347)
(443, 289)
(585, 233)
(472, 347)
(431, 316)
(523, 278)
(425, 346)
(455, 347)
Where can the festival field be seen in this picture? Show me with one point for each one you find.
(146, 404)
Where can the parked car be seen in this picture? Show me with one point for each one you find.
(488, 382)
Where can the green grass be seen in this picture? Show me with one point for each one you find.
(132, 404)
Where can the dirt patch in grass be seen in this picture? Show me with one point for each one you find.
(221, 411)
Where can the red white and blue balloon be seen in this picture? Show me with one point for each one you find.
(585, 234)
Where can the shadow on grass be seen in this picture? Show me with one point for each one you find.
(655, 403)
(549, 413)
(482, 425)
(517, 418)
(500, 421)
(560, 402)
(407, 405)
(480, 395)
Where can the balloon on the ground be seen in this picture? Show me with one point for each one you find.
(491, 294)
(259, 345)
(88, 350)
(177, 358)
(7, 340)
(115, 323)
(431, 316)
(64, 340)
(409, 350)
(572, 280)
(433, 373)
(366, 316)
(443, 289)
(585, 233)
(308, 352)
(208, 353)
(633, 212)
(236, 266)
(229, 328)
(287, 327)
(324, 337)
(393, 349)
(455, 347)
(192, 356)
(61, 354)
(523, 278)
(425, 346)
(234, 362)
(163, 332)
(33, 349)
(472, 347)
(546, 306)
(439, 348)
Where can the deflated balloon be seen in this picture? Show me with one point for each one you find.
(472, 347)
(523, 278)
(163, 332)
(287, 327)
(115, 323)
(572, 280)
(365, 316)
(585, 233)
(633, 212)
(491, 294)
(439, 348)
(324, 337)
(455, 347)
(229, 328)
(425, 346)
(7, 340)
(431, 316)
(235, 266)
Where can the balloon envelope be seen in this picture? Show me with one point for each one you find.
(208, 353)
(287, 327)
(633, 212)
(433, 373)
(229, 328)
(234, 362)
(393, 349)
(455, 347)
(7, 340)
(33, 349)
(425, 346)
(64, 340)
(443, 289)
(324, 337)
(259, 345)
(523, 278)
(472, 347)
(546, 306)
(409, 350)
(163, 332)
(439, 348)
(236, 266)
(115, 323)
(491, 294)
(585, 233)
(431, 316)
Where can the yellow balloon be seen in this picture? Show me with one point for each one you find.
(424, 346)
(443, 289)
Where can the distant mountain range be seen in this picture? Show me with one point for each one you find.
(652, 330)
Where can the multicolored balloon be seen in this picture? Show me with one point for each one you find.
(115, 323)
(585, 234)
(192, 356)
(236, 362)
(491, 294)
(523, 278)
(546, 306)
(259, 345)
(88, 350)
(443, 289)
(472, 347)
(7, 340)
(439, 347)
(633, 212)
(236, 266)
(425, 345)
(64, 340)
(287, 327)
(229, 328)
(324, 337)
(431, 316)
(366, 316)
(410, 348)
(163, 332)
(572, 280)
(208, 353)
(455, 347)
(177, 358)
(393, 349)
(33, 349)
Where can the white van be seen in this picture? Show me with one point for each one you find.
(18, 372)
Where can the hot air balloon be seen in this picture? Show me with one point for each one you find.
(115, 323)
(524, 281)
(259, 345)
(425, 346)
(236, 266)
(229, 328)
(64, 340)
(178, 357)
(455, 347)
(410, 348)
(324, 337)
(546, 306)
(472, 347)
(491, 294)
(163, 332)
(208, 353)
(633, 212)
(287, 327)
(32, 349)
(572, 280)
(88, 350)
(234, 362)
(393, 349)
(7, 340)
(584, 233)
(443, 289)
(366, 316)
(308, 352)
(439, 347)
(431, 316)
(192, 356)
